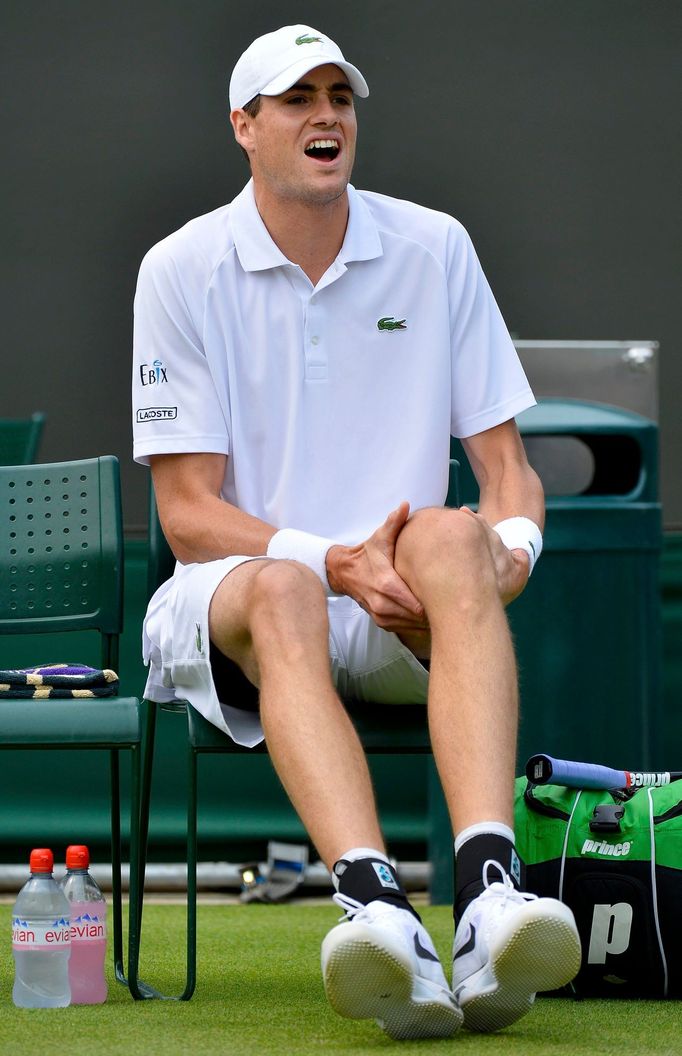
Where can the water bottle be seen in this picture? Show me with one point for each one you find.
(41, 938)
(88, 930)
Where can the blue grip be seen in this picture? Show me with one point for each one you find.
(544, 770)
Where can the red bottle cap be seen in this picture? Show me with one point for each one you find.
(77, 857)
(41, 860)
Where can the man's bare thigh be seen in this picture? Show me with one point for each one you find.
(228, 616)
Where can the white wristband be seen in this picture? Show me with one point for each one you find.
(520, 533)
(309, 549)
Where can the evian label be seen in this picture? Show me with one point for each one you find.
(88, 927)
(29, 935)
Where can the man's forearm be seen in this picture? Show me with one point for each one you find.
(514, 506)
(516, 492)
(210, 528)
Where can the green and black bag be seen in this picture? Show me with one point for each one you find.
(617, 862)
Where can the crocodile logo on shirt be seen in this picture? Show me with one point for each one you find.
(388, 322)
(197, 639)
(305, 39)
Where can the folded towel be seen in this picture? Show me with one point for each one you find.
(58, 680)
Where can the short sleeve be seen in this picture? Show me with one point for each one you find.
(489, 385)
(176, 408)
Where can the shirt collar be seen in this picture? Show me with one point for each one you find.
(257, 251)
(255, 248)
(362, 241)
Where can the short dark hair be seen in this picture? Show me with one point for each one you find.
(252, 108)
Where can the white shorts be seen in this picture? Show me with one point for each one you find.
(367, 663)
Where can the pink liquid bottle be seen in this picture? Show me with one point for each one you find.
(88, 930)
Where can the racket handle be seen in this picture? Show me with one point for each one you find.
(544, 770)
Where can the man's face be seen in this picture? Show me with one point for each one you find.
(301, 144)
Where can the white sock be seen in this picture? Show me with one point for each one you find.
(354, 854)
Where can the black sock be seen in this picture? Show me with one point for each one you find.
(369, 879)
(469, 861)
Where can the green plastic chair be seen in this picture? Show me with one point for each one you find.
(61, 569)
(387, 730)
(20, 438)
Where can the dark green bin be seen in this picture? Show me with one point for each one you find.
(587, 627)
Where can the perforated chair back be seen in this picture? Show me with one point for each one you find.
(20, 438)
(61, 549)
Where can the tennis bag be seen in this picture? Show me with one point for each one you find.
(617, 862)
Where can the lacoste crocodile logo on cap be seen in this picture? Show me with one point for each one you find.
(306, 39)
(388, 322)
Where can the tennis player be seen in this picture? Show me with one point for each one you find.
(302, 357)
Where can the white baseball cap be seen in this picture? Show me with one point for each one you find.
(276, 60)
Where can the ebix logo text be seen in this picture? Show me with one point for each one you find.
(156, 374)
(155, 414)
(617, 850)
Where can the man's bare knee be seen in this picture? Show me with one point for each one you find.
(257, 597)
(286, 595)
(286, 583)
(444, 547)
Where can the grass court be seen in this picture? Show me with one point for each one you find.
(260, 993)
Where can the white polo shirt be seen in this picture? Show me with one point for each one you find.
(334, 402)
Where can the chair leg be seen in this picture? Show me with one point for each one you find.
(192, 808)
(148, 738)
(139, 831)
(141, 773)
(116, 866)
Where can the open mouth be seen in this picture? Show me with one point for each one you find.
(323, 149)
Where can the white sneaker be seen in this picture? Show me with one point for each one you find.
(509, 945)
(381, 964)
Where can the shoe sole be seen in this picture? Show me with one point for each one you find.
(365, 980)
(541, 953)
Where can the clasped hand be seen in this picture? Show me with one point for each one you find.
(366, 572)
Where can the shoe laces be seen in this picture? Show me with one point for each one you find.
(357, 910)
(349, 905)
(504, 887)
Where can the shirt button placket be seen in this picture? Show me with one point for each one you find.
(314, 346)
